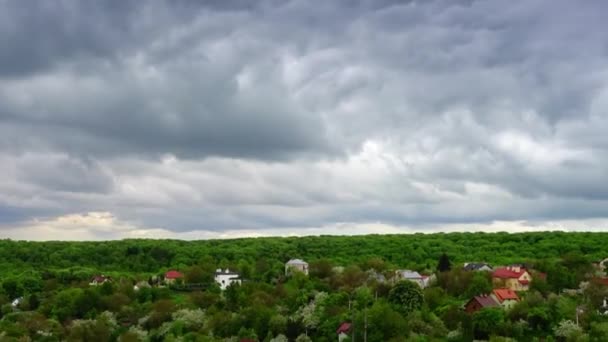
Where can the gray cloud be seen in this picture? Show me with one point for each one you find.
(228, 115)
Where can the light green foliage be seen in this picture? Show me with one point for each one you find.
(134, 334)
(568, 330)
(59, 305)
(303, 338)
(310, 314)
(598, 332)
(279, 338)
(406, 296)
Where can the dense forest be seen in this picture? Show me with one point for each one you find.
(46, 295)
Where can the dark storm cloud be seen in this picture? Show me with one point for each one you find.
(222, 115)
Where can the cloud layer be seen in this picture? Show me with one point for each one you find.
(213, 119)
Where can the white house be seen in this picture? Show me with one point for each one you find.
(225, 278)
(412, 276)
(140, 285)
(297, 265)
(16, 302)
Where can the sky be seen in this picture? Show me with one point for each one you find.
(231, 118)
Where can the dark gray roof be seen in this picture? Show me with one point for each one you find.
(474, 266)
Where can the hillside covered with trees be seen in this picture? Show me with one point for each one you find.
(46, 292)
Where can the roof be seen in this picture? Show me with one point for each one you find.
(219, 271)
(484, 300)
(505, 294)
(173, 275)
(297, 262)
(407, 274)
(474, 266)
(602, 281)
(99, 278)
(344, 328)
(506, 273)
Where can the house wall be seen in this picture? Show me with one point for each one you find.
(225, 280)
(508, 304)
(472, 306)
(511, 283)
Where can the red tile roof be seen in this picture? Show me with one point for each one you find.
(173, 275)
(505, 294)
(100, 279)
(344, 328)
(485, 301)
(506, 273)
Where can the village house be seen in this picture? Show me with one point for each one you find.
(516, 278)
(477, 266)
(225, 278)
(479, 302)
(172, 276)
(601, 266)
(296, 265)
(422, 280)
(140, 285)
(505, 297)
(99, 280)
(343, 331)
(376, 276)
(16, 302)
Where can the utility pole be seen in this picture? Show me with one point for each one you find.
(365, 325)
(352, 326)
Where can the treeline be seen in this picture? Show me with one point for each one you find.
(415, 251)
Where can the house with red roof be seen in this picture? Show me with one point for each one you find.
(505, 297)
(479, 302)
(172, 276)
(99, 280)
(343, 331)
(516, 278)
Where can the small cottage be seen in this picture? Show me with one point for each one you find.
(505, 297)
(225, 278)
(343, 331)
(172, 276)
(99, 280)
(479, 302)
(296, 265)
(422, 280)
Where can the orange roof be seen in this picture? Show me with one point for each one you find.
(505, 294)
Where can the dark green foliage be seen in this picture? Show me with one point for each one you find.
(444, 263)
(487, 321)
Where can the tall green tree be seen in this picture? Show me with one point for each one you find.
(444, 263)
(406, 296)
